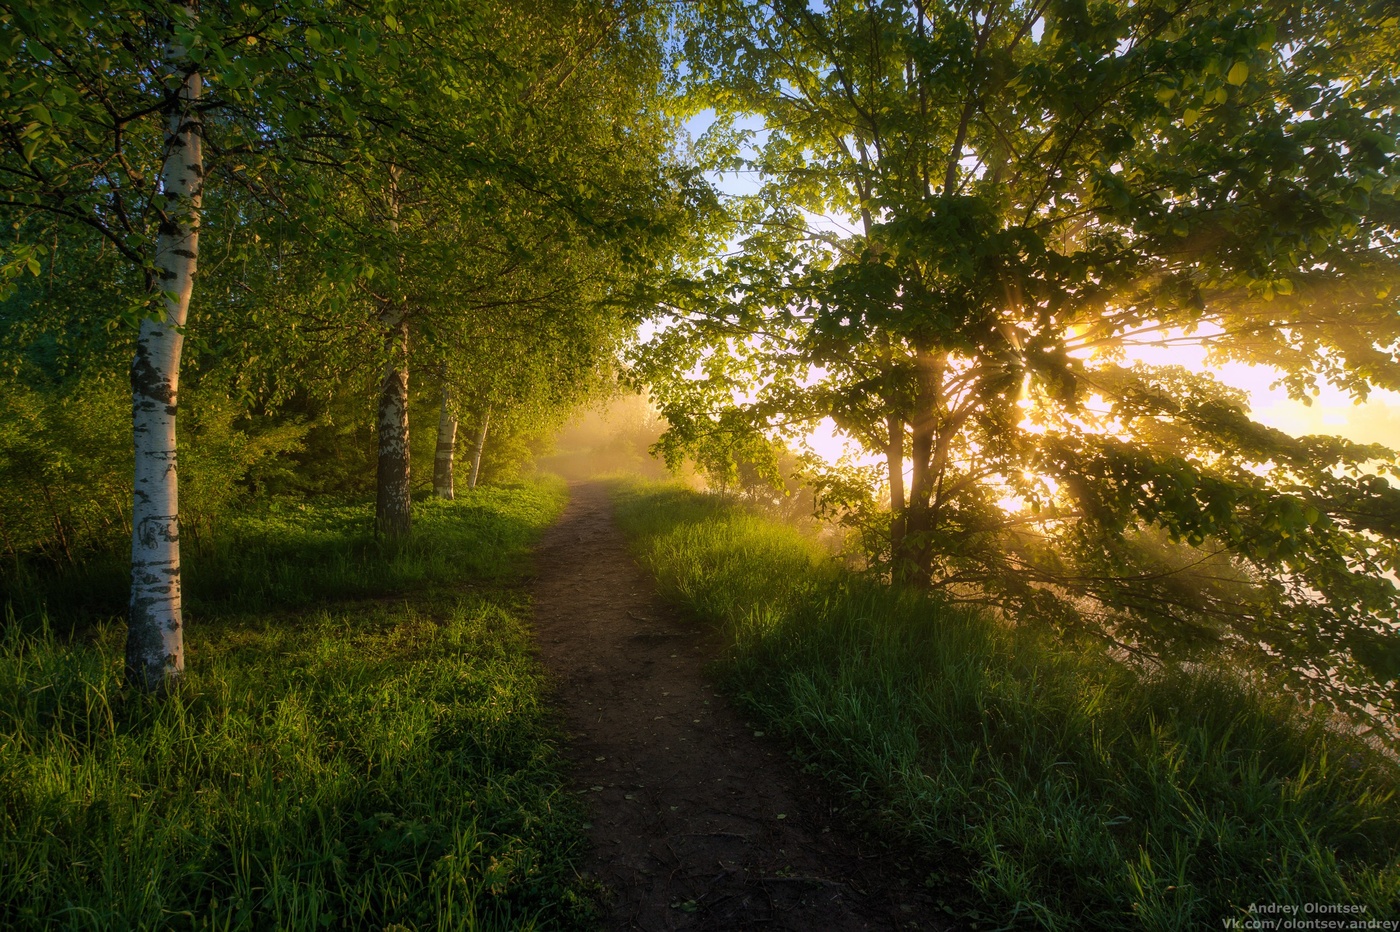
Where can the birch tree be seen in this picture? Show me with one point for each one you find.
(480, 446)
(551, 147)
(445, 450)
(155, 643)
(107, 126)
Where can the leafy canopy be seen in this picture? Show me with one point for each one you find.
(1033, 189)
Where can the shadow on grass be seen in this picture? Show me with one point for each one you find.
(357, 765)
(289, 556)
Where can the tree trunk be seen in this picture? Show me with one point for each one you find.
(480, 445)
(913, 563)
(393, 505)
(894, 442)
(894, 457)
(58, 528)
(392, 515)
(446, 447)
(155, 651)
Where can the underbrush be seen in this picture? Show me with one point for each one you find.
(385, 763)
(1071, 791)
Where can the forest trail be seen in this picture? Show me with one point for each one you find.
(698, 822)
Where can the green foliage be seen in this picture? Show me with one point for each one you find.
(84, 92)
(61, 458)
(225, 463)
(361, 764)
(1034, 191)
(533, 197)
(1075, 789)
(65, 461)
(525, 203)
(496, 180)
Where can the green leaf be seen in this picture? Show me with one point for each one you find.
(1238, 73)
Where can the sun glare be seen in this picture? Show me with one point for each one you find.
(1332, 411)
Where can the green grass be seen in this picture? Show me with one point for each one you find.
(288, 555)
(1067, 790)
(378, 762)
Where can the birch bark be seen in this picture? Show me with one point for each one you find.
(155, 653)
(392, 509)
(393, 505)
(446, 448)
(480, 446)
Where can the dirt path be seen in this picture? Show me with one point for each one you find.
(699, 822)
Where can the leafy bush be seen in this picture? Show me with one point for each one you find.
(65, 465)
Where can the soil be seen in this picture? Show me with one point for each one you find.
(699, 820)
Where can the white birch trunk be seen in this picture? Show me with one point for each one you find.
(393, 515)
(446, 448)
(393, 506)
(480, 446)
(155, 652)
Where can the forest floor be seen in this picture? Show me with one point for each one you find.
(699, 821)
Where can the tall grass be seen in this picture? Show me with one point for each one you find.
(382, 763)
(1071, 791)
(286, 554)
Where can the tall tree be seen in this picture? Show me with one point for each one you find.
(155, 644)
(553, 147)
(113, 122)
(444, 452)
(1034, 188)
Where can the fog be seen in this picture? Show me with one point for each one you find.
(608, 438)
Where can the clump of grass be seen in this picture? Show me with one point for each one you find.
(1072, 791)
(386, 763)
